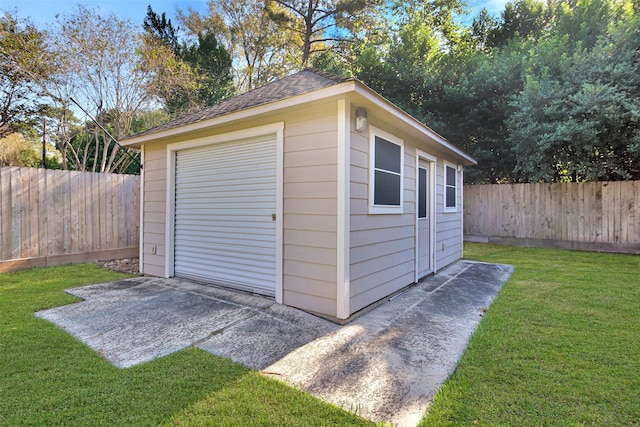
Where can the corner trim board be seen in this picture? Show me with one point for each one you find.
(344, 178)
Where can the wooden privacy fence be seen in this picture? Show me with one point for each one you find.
(598, 216)
(52, 217)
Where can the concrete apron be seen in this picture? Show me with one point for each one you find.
(386, 365)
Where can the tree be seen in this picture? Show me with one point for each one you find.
(22, 71)
(99, 59)
(211, 63)
(16, 150)
(261, 51)
(320, 23)
(186, 75)
(161, 28)
(578, 116)
(521, 19)
(467, 100)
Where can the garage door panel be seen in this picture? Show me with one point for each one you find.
(238, 204)
(225, 196)
(207, 242)
(209, 239)
(255, 267)
(234, 190)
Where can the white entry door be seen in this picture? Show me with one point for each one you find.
(424, 220)
(225, 214)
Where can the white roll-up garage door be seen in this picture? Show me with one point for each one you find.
(225, 202)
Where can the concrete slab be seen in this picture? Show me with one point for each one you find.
(386, 364)
(134, 321)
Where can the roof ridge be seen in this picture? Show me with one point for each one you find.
(338, 78)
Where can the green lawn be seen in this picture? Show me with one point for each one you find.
(48, 378)
(560, 346)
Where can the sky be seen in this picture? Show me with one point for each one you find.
(43, 12)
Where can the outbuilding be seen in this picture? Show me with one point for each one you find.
(312, 189)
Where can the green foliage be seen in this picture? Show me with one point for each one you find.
(148, 119)
(161, 28)
(322, 24)
(577, 117)
(16, 150)
(187, 75)
(546, 92)
(22, 71)
(330, 61)
(211, 64)
(556, 348)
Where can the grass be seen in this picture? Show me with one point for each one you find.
(560, 346)
(48, 378)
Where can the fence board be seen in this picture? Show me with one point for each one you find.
(42, 212)
(61, 214)
(16, 218)
(595, 215)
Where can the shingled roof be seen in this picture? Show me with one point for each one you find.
(305, 81)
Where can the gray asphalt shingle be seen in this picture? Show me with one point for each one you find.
(305, 81)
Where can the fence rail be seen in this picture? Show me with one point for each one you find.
(600, 216)
(51, 217)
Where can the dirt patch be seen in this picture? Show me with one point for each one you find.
(126, 265)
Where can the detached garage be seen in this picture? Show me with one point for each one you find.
(312, 189)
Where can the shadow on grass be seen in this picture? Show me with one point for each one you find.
(47, 377)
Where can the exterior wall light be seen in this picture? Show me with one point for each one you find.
(361, 120)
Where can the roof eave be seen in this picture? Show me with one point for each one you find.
(409, 120)
(336, 89)
(353, 86)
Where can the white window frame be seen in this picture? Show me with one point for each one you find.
(384, 209)
(445, 185)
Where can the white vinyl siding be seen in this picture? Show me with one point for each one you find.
(225, 196)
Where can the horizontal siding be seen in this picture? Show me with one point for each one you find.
(154, 216)
(315, 222)
(310, 210)
(307, 300)
(382, 247)
(311, 238)
(364, 299)
(388, 247)
(382, 263)
(324, 256)
(366, 237)
(310, 205)
(310, 174)
(448, 242)
(320, 289)
(314, 157)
